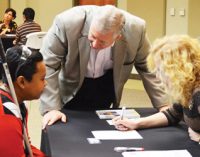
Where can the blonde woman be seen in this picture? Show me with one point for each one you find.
(176, 61)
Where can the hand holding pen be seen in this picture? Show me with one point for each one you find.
(123, 124)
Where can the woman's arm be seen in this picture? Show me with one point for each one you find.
(156, 120)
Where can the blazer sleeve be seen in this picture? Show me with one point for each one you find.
(54, 50)
(151, 84)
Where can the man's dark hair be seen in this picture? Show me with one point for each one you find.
(29, 14)
(20, 66)
(12, 10)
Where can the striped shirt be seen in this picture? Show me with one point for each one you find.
(26, 28)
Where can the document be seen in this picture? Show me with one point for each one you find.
(109, 114)
(163, 153)
(116, 135)
(110, 122)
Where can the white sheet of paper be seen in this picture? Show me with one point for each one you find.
(111, 123)
(116, 135)
(163, 153)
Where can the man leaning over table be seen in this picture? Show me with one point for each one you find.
(89, 52)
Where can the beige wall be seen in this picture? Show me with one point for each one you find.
(193, 18)
(3, 5)
(122, 4)
(153, 12)
(176, 24)
(183, 24)
(19, 7)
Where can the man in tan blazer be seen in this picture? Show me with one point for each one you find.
(89, 53)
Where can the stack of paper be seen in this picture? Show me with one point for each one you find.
(167, 153)
(109, 114)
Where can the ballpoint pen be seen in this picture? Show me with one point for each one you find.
(128, 149)
(122, 112)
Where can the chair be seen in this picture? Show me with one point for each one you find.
(34, 40)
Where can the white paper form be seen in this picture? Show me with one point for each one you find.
(116, 135)
(163, 153)
(111, 123)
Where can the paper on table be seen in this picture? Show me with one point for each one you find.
(116, 135)
(111, 123)
(162, 153)
(109, 114)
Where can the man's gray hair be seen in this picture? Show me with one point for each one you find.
(108, 18)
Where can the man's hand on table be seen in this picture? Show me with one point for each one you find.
(51, 117)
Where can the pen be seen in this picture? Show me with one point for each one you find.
(122, 112)
(128, 149)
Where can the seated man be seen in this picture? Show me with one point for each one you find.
(29, 26)
(27, 71)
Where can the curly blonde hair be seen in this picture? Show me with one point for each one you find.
(179, 59)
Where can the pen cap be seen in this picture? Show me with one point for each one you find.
(126, 149)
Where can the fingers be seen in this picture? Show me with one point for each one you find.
(119, 124)
(51, 117)
(121, 127)
(45, 121)
(52, 120)
(63, 118)
(116, 120)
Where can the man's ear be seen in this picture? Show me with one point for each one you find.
(21, 82)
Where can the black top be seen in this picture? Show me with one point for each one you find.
(190, 115)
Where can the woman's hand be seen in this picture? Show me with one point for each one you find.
(51, 117)
(125, 124)
(195, 136)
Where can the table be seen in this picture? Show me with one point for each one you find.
(61, 140)
(7, 40)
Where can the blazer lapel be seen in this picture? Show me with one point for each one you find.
(84, 52)
(119, 50)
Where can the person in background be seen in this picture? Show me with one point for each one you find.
(89, 53)
(29, 26)
(7, 25)
(176, 61)
(27, 71)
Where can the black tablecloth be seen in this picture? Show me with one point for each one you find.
(70, 140)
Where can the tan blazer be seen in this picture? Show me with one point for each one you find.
(66, 51)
